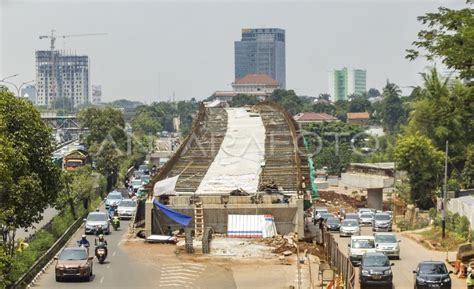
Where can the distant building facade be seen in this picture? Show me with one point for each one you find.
(261, 50)
(344, 82)
(359, 118)
(255, 84)
(29, 92)
(96, 94)
(59, 74)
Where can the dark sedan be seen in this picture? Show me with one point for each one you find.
(375, 270)
(333, 224)
(432, 274)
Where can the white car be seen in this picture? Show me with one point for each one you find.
(136, 184)
(366, 218)
(360, 245)
(127, 208)
(388, 244)
(349, 228)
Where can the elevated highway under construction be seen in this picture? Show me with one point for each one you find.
(236, 161)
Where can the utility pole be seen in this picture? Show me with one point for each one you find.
(445, 193)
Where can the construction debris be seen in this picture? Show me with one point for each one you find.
(239, 192)
(269, 187)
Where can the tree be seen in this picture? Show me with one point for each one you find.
(450, 36)
(468, 170)
(145, 122)
(359, 104)
(423, 163)
(444, 110)
(393, 113)
(373, 92)
(325, 96)
(324, 107)
(243, 99)
(29, 178)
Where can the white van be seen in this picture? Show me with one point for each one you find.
(360, 245)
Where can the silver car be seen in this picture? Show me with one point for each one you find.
(366, 218)
(382, 222)
(388, 244)
(349, 227)
(96, 219)
(113, 198)
(127, 209)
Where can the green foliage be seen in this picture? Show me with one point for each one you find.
(146, 122)
(373, 92)
(290, 101)
(243, 100)
(104, 124)
(392, 110)
(468, 170)
(360, 104)
(30, 181)
(444, 111)
(333, 154)
(63, 105)
(450, 36)
(417, 155)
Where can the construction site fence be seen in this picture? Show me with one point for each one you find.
(338, 261)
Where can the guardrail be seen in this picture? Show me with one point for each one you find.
(339, 261)
(38, 267)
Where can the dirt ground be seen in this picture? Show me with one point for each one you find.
(334, 201)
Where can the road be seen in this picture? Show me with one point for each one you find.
(129, 265)
(411, 254)
(48, 214)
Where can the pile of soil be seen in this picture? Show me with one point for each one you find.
(334, 201)
(284, 244)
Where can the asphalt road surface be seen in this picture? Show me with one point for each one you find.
(411, 253)
(124, 268)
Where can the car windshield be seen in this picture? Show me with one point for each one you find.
(375, 261)
(96, 217)
(127, 204)
(363, 244)
(433, 269)
(350, 223)
(73, 255)
(136, 182)
(351, 216)
(114, 196)
(382, 217)
(366, 215)
(333, 221)
(385, 239)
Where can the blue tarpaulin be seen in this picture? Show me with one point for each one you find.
(172, 214)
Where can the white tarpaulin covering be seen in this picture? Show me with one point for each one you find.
(237, 164)
(251, 226)
(464, 206)
(165, 187)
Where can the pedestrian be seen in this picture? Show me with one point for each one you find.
(470, 277)
(169, 231)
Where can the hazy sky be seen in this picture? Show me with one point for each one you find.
(155, 48)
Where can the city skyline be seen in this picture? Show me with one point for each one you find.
(154, 68)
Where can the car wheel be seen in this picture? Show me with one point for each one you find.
(88, 278)
(58, 279)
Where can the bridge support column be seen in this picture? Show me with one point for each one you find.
(148, 216)
(375, 198)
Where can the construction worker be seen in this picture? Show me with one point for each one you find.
(470, 277)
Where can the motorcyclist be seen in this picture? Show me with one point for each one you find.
(83, 241)
(116, 219)
(99, 231)
(101, 242)
(112, 210)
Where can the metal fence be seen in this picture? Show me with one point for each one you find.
(339, 261)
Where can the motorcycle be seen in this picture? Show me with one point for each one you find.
(115, 222)
(101, 252)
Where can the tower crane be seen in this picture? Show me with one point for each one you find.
(52, 37)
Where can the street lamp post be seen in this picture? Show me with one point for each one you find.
(18, 88)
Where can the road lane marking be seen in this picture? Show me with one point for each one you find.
(119, 243)
(113, 254)
(101, 279)
(108, 266)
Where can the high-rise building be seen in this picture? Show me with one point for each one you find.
(344, 82)
(59, 74)
(29, 92)
(261, 51)
(96, 94)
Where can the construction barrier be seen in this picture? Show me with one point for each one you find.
(339, 261)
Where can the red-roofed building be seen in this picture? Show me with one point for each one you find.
(252, 83)
(313, 117)
(359, 118)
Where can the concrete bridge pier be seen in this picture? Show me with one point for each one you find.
(375, 198)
